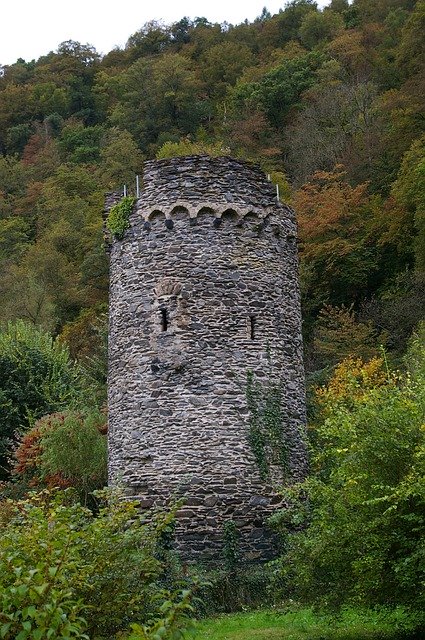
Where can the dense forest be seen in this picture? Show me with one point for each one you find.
(331, 103)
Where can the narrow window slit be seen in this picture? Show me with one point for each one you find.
(164, 320)
(252, 327)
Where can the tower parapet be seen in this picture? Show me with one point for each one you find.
(205, 345)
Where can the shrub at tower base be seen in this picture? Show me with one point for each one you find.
(65, 573)
(364, 505)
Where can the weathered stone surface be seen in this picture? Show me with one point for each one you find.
(203, 289)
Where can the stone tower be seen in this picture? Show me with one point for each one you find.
(206, 381)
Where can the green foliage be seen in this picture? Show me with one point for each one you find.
(338, 334)
(267, 427)
(409, 190)
(13, 179)
(231, 550)
(63, 568)
(299, 92)
(121, 159)
(411, 53)
(415, 361)
(280, 179)
(73, 447)
(242, 587)
(176, 622)
(364, 541)
(65, 268)
(171, 102)
(69, 183)
(87, 340)
(150, 39)
(119, 217)
(188, 148)
(281, 88)
(14, 239)
(80, 143)
(398, 311)
(65, 449)
(17, 137)
(223, 63)
(320, 27)
(73, 124)
(290, 19)
(38, 554)
(36, 377)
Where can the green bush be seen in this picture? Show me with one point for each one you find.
(36, 377)
(222, 590)
(365, 502)
(39, 555)
(176, 624)
(119, 217)
(73, 447)
(65, 569)
(63, 449)
(87, 339)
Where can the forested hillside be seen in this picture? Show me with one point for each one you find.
(330, 102)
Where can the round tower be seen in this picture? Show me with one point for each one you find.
(206, 381)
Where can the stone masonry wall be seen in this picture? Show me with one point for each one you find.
(204, 289)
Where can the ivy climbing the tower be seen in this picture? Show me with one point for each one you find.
(266, 432)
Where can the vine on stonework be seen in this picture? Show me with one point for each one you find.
(119, 217)
(231, 545)
(266, 435)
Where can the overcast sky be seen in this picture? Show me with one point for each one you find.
(32, 28)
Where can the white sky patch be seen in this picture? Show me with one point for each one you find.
(32, 28)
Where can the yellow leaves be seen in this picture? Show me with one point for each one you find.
(352, 482)
(338, 335)
(352, 380)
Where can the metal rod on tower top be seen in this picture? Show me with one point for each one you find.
(137, 187)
